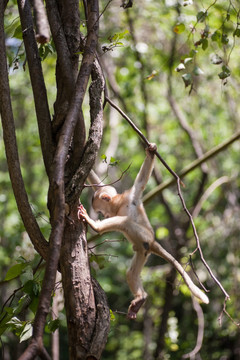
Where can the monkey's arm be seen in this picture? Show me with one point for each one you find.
(144, 173)
(115, 223)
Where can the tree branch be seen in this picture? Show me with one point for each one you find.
(95, 134)
(38, 85)
(57, 186)
(42, 26)
(193, 165)
(208, 192)
(64, 56)
(145, 140)
(10, 142)
(186, 127)
(180, 196)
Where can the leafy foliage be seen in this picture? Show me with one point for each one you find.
(142, 48)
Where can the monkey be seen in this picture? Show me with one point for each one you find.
(125, 213)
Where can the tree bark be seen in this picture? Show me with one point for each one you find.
(86, 305)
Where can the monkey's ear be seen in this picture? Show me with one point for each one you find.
(105, 197)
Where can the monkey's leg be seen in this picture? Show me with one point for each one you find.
(157, 249)
(135, 284)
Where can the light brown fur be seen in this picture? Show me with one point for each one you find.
(125, 213)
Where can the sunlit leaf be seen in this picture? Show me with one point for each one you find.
(152, 75)
(197, 71)
(52, 325)
(26, 333)
(201, 16)
(26, 275)
(204, 44)
(216, 36)
(180, 67)
(18, 32)
(178, 29)
(112, 316)
(216, 59)
(187, 60)
(104, 158)
(225, 39)
(237, 33)
(187, 78)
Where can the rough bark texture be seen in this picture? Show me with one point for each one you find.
(86, 305)
(66, 157)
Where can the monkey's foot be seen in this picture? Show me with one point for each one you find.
(134, 308)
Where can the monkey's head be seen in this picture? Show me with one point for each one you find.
(102, 201)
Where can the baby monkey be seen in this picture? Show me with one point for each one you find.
(125, 213)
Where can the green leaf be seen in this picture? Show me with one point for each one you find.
(34, 304)
(100, 260)
(26, 275)
(32, 288)
(53, 325)
(113, 161)
(225, 39)
(237, 33)
(192, 53)
(226, 69)
(187, 78)
(201, 16)
(104, 158)
(223, 75)
(26, 332)
(15, 323)
(216, 59)
(179, 28)
(180, 67)
(22, 303)
(188, 60)
(112, 316)
(204, 44)
(15, 271)
(216, 36)
(118, 36)
(197, 71)
(18, 32)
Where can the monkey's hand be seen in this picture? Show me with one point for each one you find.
(82, 213)
(151, 149)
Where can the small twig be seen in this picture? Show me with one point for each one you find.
(103, 242)
(119, 312)
(112, 183)
(179, 183)
(195, 273)
(198, 243)
(145, 140)
(222, 180)
(228, 315)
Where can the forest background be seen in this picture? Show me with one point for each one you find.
(173, 68)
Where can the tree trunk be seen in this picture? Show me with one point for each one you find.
(86, 303)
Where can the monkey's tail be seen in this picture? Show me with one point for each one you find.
(157, 249)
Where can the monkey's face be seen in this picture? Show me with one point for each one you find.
(102, 201)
